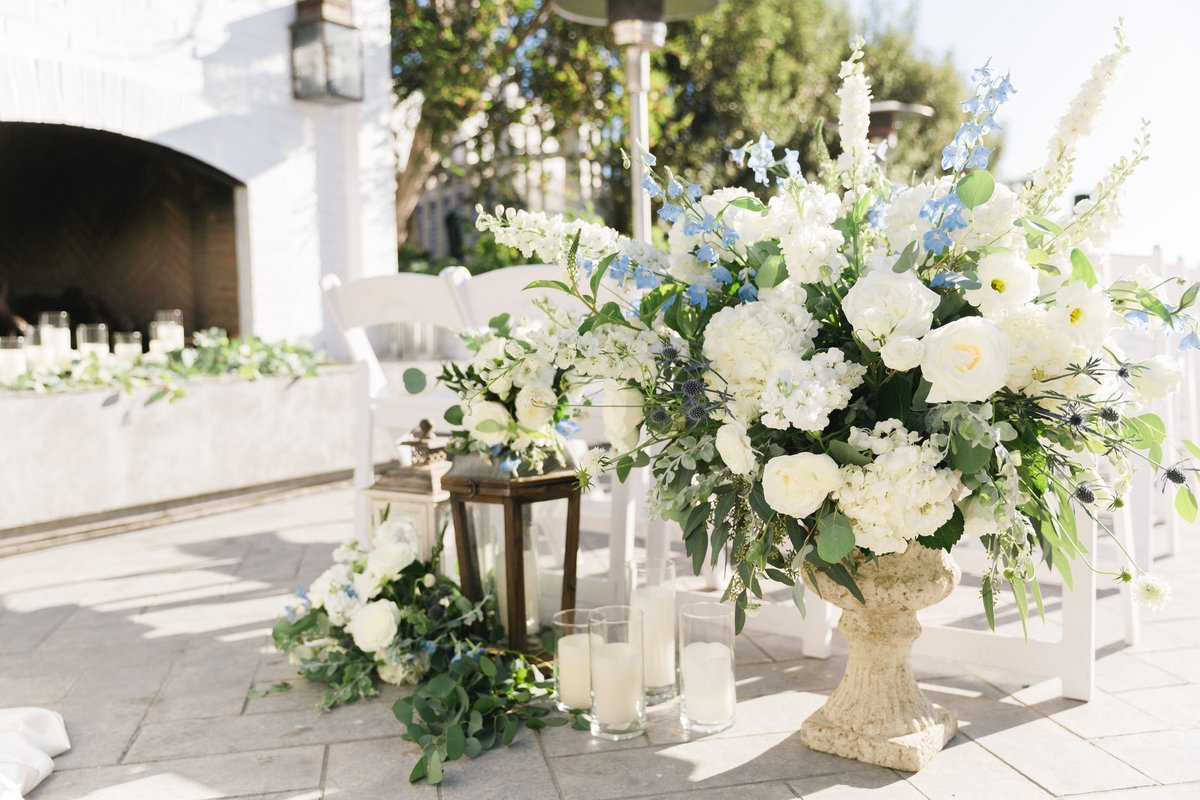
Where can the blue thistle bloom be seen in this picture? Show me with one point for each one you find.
(351, 592)
(674, 189)
(697, 295)
(652, 188)
(694, 191)
(748, 292)
(721, 275)
(644, 278)
(670, 212)
(706, 253)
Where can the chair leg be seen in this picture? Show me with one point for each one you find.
(1078, 665)
(1133, 628)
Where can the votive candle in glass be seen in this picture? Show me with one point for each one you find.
(55, 330)
(127, 347)
(651, 583)
(167, 328)
(572, 665)
(618, 693)
(92, 339)
(707, 693)
(12, 358)
(40, 352)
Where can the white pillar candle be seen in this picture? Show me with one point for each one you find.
(127, 352)
(657, 603)
(170, 334)
(616, 683)
(58, 342)
(572, 668)
(39, 357)
(533, 611)
(12, 365)
(88, 348)
(707, 686)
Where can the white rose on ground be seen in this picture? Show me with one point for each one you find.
(623, 411)
(734, 447)
(1006, 282)
(536, 404)
(884, 304)
(796, 485)
(1156, 377)
(488, 411)
(965, 360)
(979, 519)
(374, 625)
(902, 353)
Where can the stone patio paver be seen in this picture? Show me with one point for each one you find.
(148, 641)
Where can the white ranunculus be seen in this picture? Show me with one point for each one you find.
(1156, 377)
(966, 360)
(734, 446)
(1006, 282)
(623, 413)
(536, 404)
(796, 485)
(374, 625)
(902, 353)
(884, 304)
(488, 411)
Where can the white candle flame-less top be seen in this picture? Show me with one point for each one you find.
(616, 683)
(572, 669)
(708, 691)
(12, 365)
(657, 604)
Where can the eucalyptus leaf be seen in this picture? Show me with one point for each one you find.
(1081, 268)
(1185, 503)
(976, 188)
(415, 380)
(835, 537)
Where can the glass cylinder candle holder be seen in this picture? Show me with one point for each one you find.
(572, 660)
(127, 347)
(55, 330)
(12, 358)
(92, 339)
(167, 329)
(40, 351)
(618, 693)
(707, 694)
(651, 583)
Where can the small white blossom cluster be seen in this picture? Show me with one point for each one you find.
(1151, 591)
(613, 352)
(801, 217)
(899, 496)
(857, 159)
(803, 393)
(741, 343)
(358, 574)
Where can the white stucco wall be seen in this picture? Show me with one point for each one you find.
(212, 79)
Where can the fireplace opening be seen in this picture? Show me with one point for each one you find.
(111, 229)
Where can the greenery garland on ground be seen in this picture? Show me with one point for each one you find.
(381, 612)
(213, 354)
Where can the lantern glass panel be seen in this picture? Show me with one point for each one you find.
(308, 61)
(344, 61)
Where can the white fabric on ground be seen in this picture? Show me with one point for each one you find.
(29, 737)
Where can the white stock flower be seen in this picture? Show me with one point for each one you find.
(374, 625)
(966, 360)
(1006, 282)
(1151, 591)
(623, 411)
(495, 419)
(733, 445)
(741, 342)
(802, 393)
(536, 405)
(883, 304)
(1084, 314)
(801, 216)
(1156, 377)
(902, 353)
(797, 485)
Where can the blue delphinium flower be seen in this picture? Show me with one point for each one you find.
(652, 188)
(966, 150)
(729, 238)
(588, 266)
(706, 253)
(510, 464)
(645, 278)
(979, 157)
(721, 275)
(618, 268)
(738, 156)
(694, 191)
(695, 227)
(567, 427)
(791, 162)
(495, 451)
(674, 189)
(1138, 320)
(697, 295)
(1190, 342)
(748, 292)
(670, 212)
(936, 241)
(429, 647)
(762, 158)
(650, 159)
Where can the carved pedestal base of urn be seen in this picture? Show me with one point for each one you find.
(877, 714)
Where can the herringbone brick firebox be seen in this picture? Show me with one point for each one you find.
(111, 229)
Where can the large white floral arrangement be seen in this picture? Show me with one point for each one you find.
(840, 361)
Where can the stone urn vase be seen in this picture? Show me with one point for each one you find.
(877, 714)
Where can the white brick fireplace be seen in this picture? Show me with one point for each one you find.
(211, 79)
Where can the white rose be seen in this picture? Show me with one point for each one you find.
(374, 625)
(488, 411)
(902, 353)
(397, 674)
(1156, 377)
(623, 413)
(1006, 282)
(979, 519)
(393, 529)
(734, 446)
(966, 360)
(536, 404)
(796, 485)
(884, 304)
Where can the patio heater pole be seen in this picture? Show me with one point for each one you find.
(639, 26)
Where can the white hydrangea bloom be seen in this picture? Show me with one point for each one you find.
(803, 393)
(901, 495)
(334, 591)
(904, 224)
(741, 342)
(801, 216)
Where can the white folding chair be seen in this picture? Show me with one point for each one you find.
(358, 305)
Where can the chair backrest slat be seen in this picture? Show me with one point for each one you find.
(500, 291)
